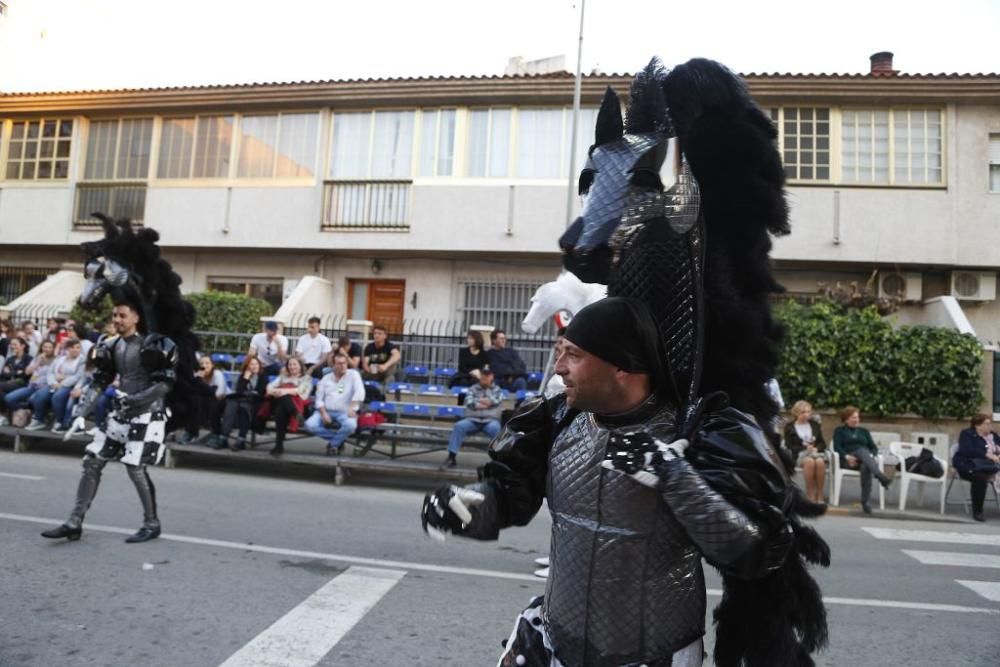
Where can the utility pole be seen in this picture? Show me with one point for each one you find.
(571, 190)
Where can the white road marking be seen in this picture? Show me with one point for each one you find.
(304, 635)
(952, 558)
(933, 536)
(34, 478)
(987, 589)
(443, 569)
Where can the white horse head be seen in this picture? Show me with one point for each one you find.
(565, 296)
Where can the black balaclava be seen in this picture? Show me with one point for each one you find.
(622, 332)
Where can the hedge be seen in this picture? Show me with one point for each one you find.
(834, 357)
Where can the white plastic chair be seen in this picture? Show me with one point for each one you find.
(904, 450)
(840, 472)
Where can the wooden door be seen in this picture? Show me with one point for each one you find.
(380, 301)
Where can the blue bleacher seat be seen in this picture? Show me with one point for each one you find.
(416, 410)
(399, 386)
(450, 412)
(535, 376)
(382, 406)
(222, 359)
(444, 372)
(415, 372)
(373, 383)
(458, 391)
(435, 389)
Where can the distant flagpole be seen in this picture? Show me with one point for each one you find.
(571, 190)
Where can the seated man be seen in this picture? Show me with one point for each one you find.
(482, 413)
(312, 347)
(338, 397)
(511, 373)
(381, 357)
(270, 348)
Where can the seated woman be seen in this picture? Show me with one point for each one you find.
(208, 400)
(14, 374)
(857, 450)
(977, 460)
(37, 371)
(804, 439)
(285, 400)
(470, 359)
(241, 405)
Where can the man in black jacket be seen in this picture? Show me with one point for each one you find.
(507, 364)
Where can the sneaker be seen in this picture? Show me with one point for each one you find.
(59, 428)
(978, 516)
(448, 463)
(184, 438)
(35, 425)
(866, 507)
(3, 421)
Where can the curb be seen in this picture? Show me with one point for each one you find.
(895, 515)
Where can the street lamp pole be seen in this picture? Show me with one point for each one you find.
(571, 190)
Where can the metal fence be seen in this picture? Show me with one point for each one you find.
(16, 280)
(366, 205)
(430, 343)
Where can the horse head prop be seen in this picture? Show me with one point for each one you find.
(562, 298)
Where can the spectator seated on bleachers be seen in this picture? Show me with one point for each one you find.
(14, 374)
(510, 370)
(380, 357)
(270, 347)
(241, 405)
(209, 398)
(482, 413)
(338, 397)
(470, 359)
(977, 460)
(61, 377)
(285, 399)
(312, 347)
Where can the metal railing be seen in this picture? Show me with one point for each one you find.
(16, 280)
(372, 205)
(118, 199)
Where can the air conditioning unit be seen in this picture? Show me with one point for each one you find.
(905, 286)
(974, 285)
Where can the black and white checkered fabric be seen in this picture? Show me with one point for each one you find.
(136, 441)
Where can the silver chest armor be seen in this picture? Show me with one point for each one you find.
(625, 583)
(133, 378)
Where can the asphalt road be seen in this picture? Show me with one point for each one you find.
(259, 569)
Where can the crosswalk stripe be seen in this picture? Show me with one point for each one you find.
(951, 558)
(932, 536)
(304, 635)
(987, 589)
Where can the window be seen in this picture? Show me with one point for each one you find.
(805, 143)
(584, 135)
(278, 145)
(489, 141)
(540, 143)
(118, 149)
(195, 147)
(437, 142)
(372, 145)
(268, 289)
(865, 146)
(39, 149)
(498, 303)
(917, 146)
(994, 157)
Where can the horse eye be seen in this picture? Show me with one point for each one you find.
(586, 180)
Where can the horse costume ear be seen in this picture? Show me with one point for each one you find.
(609, 119)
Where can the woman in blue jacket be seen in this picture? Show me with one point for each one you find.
(977, 459)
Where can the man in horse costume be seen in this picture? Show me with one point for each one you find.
(681, 201)
(152, 356)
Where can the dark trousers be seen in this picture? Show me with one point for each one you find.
(7, 387)
(868, 467)
(205, 411)
(282, 410)
(239, 414)
(978, 482)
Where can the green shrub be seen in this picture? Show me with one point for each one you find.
(99, 314)
(230, 313)
(834, 356)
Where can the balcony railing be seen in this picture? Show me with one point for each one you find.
(366, 205)
(117, 199)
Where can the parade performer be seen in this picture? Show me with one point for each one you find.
(151, 356)
(655, 456)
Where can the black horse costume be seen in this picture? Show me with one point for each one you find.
(682, 198)
(154, 367)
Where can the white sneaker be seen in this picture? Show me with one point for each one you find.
(58, 428)
(543, 573)
(542, 562)
(35, 425)
(91, 431)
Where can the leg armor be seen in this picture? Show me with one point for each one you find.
(147, 494)
(90, 479)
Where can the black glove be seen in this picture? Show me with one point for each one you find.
(641, 456)
(469, 511)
